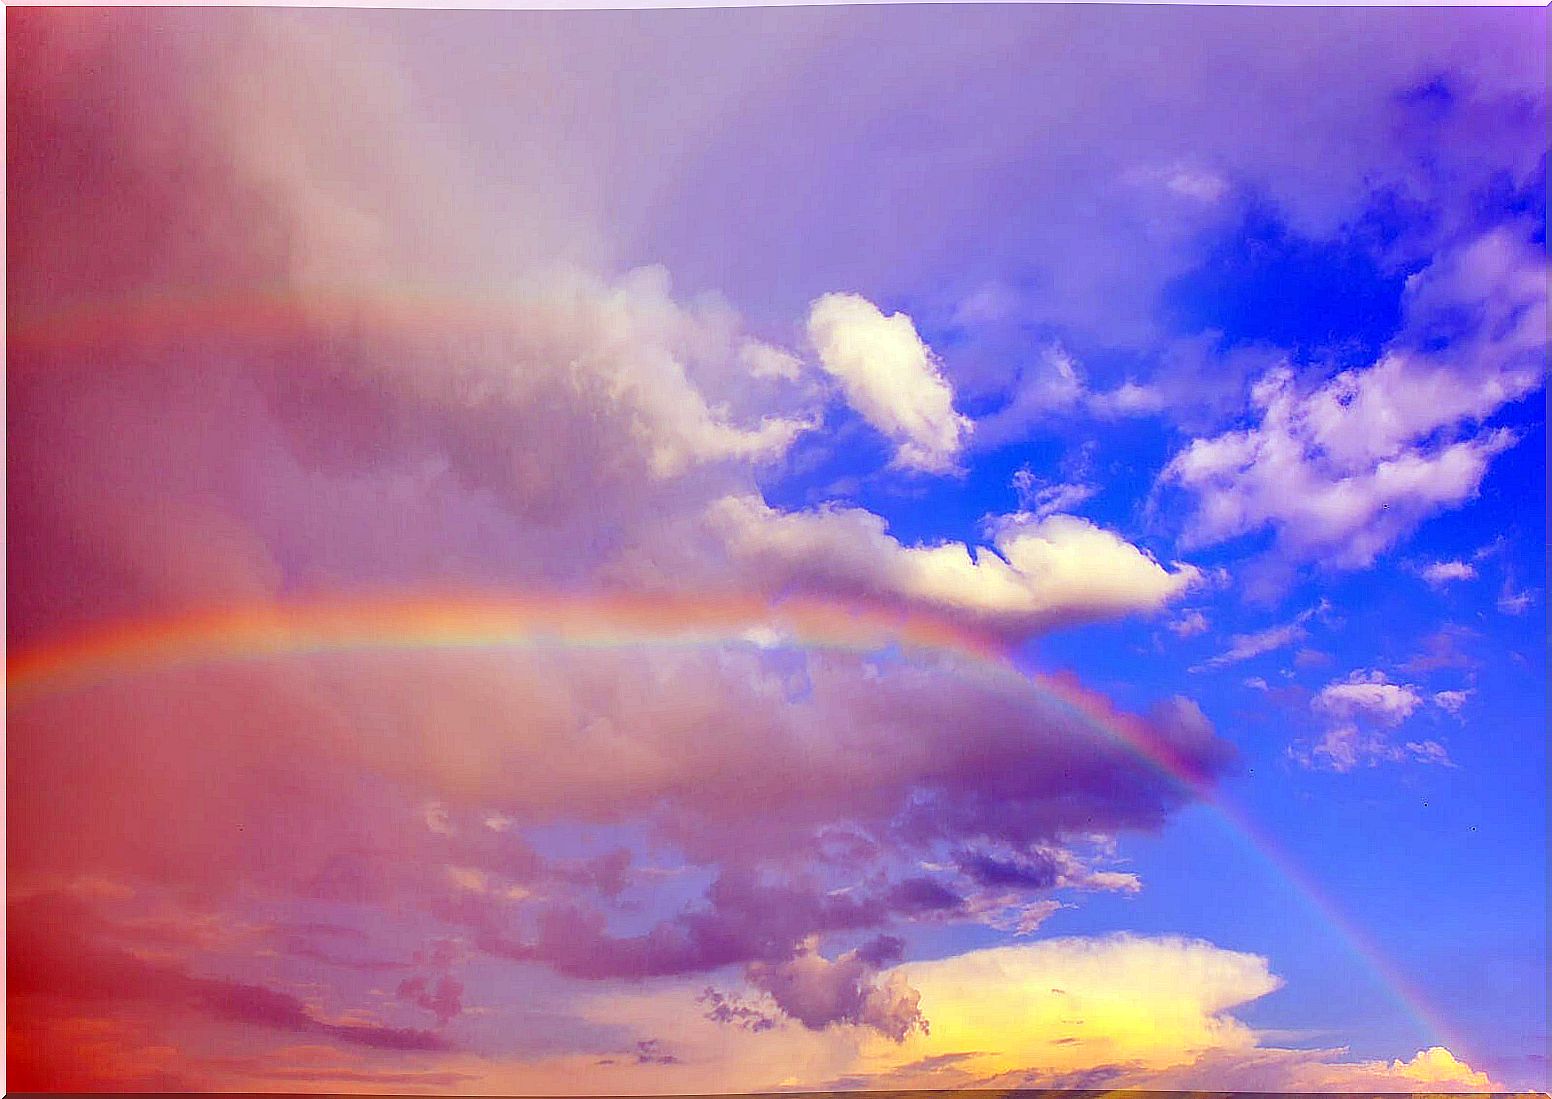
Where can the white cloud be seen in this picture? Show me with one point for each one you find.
(1184, 179)
(1437, 574)
(1343, 470)
(1491, 549)
(1038, 571)
(1202, 186)
(1428, 751)
(580, 420)
(1451, 701)
(1128, 399)
(1243, 646)
(1189, 624)
(1362, 708)
(1433, 1070)
(1278, 474)
(1370, 694)
(766, 361)
(987, 304)
(891, 378)
(1011, 912)
(1515, 601)
(1343, 748)
(1041, 499)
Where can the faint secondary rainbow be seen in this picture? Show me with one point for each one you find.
(146, 321)
(135, 647)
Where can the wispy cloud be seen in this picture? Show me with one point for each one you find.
(1245, 646)
(1040, 498)
(1513, 600)
(1188, 624)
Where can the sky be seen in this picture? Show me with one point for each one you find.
(701, 551)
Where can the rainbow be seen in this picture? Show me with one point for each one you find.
(473, 620)
(482, 620)
(151, 320)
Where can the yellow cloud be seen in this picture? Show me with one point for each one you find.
(1065, 1004)
(1133, 1011)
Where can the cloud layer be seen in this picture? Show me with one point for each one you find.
(272, 414)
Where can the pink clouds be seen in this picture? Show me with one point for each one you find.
(63, 960)
(442, 996)
(571, 429)
(318, 780)
(399, 844)
(818, 992)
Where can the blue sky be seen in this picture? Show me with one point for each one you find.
(1444, 867)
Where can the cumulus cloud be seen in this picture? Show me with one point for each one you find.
(1370, 694)
(1344, 469)
(558, 435)
(1435, 1069)
(845, 772)
(569, 430)
(1119, 1012)
(1362, 709)
(1037, 572)
(891, 378)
